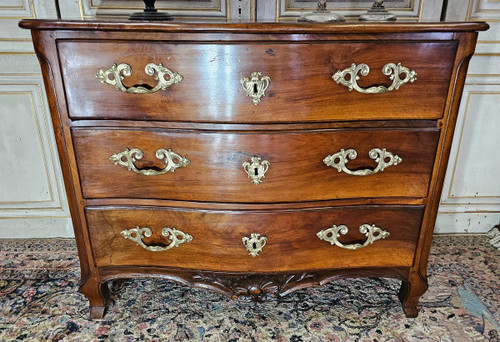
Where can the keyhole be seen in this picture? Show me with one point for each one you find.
(256, 171)
(255, 91)
(254, 245)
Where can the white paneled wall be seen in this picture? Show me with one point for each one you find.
(471, 196)
(32, 198)
(412, 10)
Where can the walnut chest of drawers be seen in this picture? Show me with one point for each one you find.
(253, 159)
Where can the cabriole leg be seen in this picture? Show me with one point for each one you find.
(409, 294)
(97, 293)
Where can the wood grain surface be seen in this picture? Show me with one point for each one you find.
(292, 242)
(301, 88)
(297, 172)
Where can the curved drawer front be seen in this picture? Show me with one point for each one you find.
(209, 166)
(213, 240)
(205, 82)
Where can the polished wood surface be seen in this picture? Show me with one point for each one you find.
(297, 172)
(301, 81)
(303, 116)
(254, 27)
(292, 244)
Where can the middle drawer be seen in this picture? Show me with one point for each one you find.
(249, 167)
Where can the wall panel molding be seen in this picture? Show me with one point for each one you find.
(29, 180)
(471, 195)
(182, 9)
(473, 170)
(483, 10)
(416, 10)
(32, 197)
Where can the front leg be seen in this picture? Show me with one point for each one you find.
(410, 292)
(97, 293)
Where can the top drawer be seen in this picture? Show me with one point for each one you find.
(300, 77)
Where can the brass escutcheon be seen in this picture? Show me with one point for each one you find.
(254, 244)
(256, 169)
(256, 86)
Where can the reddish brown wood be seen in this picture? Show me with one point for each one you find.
(206, 116)
(301, 77)
(292, 244)
(417, 281)
(297, 172)
(252, 27)
(292, 126)
(251, 287)
(254, 206)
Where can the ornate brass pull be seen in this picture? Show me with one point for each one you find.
(256, 86)
(372, 233)
(128, 157)
(123, 70)
(381, 156)
(392, 70)
(256, 170)
(175, 236)
(254, 244)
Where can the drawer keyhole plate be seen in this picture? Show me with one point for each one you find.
(255, 86)
(256, 169)
(254, 244)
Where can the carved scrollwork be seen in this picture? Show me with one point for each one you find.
(372, 233)
(257, 288)
(382, 157)
(164, 76)
(175, 236)
(392, 70)
(128, 157)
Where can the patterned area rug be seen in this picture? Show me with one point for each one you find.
(39, 301)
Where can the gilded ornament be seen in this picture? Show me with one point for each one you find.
(254, 244)
(382, 157)
(392, 70)
(128, 157)
(175, 236)
(256, 169)
(164, 76)
(372, 233)
(256, 86)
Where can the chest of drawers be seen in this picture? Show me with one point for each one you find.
(253, 159)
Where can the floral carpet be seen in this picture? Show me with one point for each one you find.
(39, 301)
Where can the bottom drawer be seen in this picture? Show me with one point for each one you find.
(214, 240)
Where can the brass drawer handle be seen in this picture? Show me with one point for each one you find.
(123, 70)
(392, 70)
(383, 158)
(256, 170)
(254, 244)
(128, 157)
(256, 86)
(372, 233)
(175, 236)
